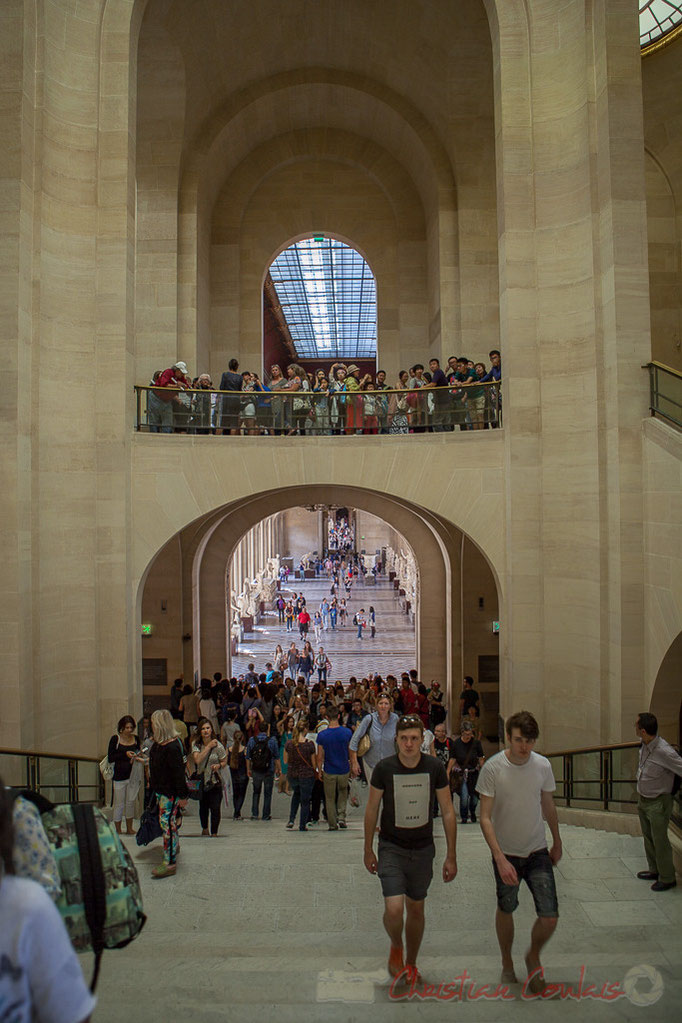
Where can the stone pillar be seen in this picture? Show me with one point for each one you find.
(622, 287)
(574, 319)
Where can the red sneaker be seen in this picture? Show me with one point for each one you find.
(413, 977)
(395, 961)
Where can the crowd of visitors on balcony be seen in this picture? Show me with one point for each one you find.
(344, 401)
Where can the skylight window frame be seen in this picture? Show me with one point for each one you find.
(667, 15)
(329, 302)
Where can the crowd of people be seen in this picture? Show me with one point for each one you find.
(267, 728)
(340, 535)
(327, 737)
(340, 401)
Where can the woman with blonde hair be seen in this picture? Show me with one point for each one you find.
(167, 779)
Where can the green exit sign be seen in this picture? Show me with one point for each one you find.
(496, 626)
(318, 238)
(146, 630)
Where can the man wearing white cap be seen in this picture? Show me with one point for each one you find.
(160, 403)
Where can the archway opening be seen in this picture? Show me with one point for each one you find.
(319, 307)
(357, 578)
(184, 588)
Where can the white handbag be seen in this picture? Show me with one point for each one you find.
(106, 769)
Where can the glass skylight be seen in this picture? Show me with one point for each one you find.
(657, 18)
(328, 297)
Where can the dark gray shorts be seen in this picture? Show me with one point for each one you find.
(538, 873)
(405, 871)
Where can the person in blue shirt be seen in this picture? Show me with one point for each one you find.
(333, 760)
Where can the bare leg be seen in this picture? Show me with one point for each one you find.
(129, 826)
(118, 827)
(393, 919)
(414, 930)
(504, 927)
(543, 929)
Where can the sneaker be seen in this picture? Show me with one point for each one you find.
(164, 870)
(343, 825)
(290, 825)
(310, 826)
(395, 961)
(412, 975)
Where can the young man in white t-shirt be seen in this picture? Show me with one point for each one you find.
(516, 788)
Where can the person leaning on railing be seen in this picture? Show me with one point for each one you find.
(162, 402)
(397, 418)
(202, 405)
(230, 404)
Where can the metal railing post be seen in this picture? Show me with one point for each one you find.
(73, 781)
(568, 778)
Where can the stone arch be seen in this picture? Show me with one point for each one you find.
(666, 698)
(208, 544)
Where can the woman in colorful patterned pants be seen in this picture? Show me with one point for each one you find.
(168, 779)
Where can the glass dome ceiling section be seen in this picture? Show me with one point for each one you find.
(657, 18)
(328, 297)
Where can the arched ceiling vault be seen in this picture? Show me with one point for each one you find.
(318, 143)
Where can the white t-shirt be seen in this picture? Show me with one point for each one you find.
(517, 812)
(41, 980)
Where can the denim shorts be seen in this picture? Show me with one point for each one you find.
(405, 871)
(538, 873)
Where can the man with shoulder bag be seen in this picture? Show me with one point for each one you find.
(467, 755)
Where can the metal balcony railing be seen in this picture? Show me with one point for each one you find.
(665, 392)
(59, 777)
(601, 778)
(470, 407)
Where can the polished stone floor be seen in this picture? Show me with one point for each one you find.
(264, 923)
(391, 651)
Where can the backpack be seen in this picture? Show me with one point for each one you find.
(101, 901)
(261, 755)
